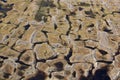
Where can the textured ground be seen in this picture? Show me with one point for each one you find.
(59, 39)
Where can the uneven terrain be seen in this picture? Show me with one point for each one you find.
(59, 39)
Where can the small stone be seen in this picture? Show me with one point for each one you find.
(39, 37)
(90, 44)
(22, 45)
(43, 51)
(28, 57)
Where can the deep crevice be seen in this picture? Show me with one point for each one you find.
(3, 57)
(103, 52)
(67, 57)
(22, 63)
(69, 22)
(55, 26)
(103, 61)
(26, 27)
(45, 33)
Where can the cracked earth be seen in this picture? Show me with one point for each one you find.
(59, 40)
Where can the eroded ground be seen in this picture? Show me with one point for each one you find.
(59, 40)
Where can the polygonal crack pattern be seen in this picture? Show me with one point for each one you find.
(59, 40)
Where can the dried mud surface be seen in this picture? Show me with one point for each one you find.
(59, 39)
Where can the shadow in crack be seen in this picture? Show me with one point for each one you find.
(100, 74)
(40, 75)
